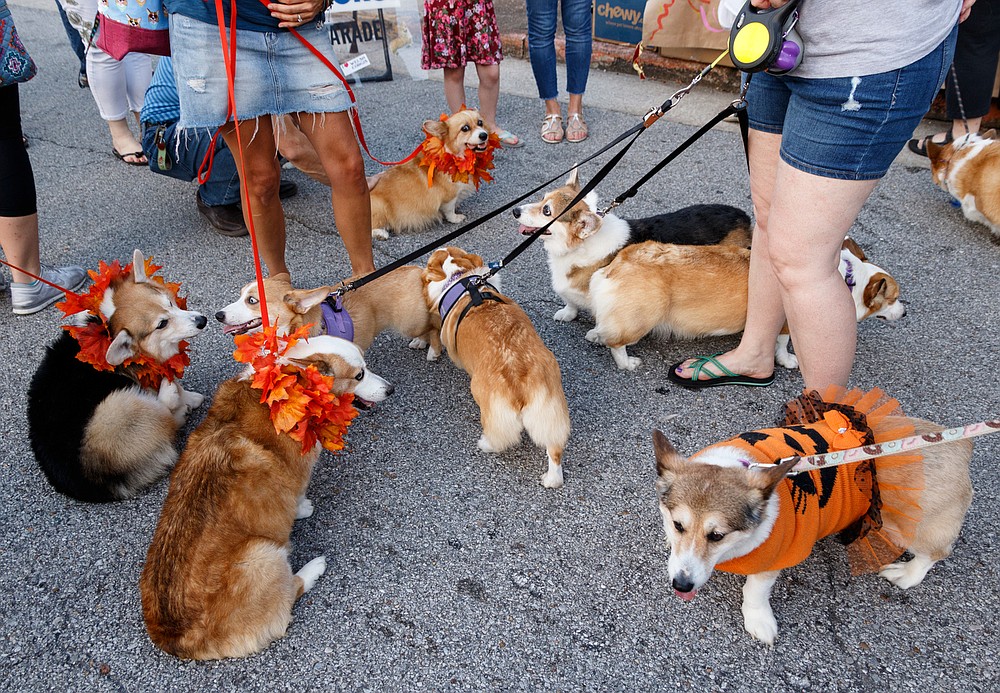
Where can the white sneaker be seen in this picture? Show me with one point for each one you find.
(34, 296)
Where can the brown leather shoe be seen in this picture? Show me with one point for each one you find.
(227, 220)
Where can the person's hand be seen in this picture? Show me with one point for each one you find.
(774, 4)
(294, 13)
(966, 9)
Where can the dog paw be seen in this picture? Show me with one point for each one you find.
(760, 624)
(311, 571)
(908, 574)
(553, 478)
(624, 361)
(787, 360)
(380, 234)
(170, 395)
(304, 509)
(433, 354)
(455, 218)
(594, 337)
(417, 343)
(565, 314)
(191, 399)
(485, 445)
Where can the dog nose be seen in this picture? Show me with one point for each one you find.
(682, 584)
(516, 212)
(221, 316)
(200, 322)
(483, 136)
(390, 389)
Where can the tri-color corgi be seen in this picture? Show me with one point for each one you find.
(217, 582)
(401, 198)
(394, 301)
(733, 507)
(515, 379)
(969, 170)
(105, 435)
(580, 241)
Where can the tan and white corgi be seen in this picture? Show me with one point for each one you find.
(515, 379)
(969, 170)
(394, 301)
(875, 294)
(580, 241)
(722, 511)
(104, 434)
(217, 582)
(401, 198)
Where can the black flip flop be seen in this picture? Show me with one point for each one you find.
(121, 157)
(919, 146)
(714, 380)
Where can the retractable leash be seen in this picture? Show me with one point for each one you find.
(765, 39)
(891, 447)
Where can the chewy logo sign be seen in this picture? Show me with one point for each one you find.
(619, 20)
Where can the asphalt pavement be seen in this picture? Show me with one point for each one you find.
(450, 569)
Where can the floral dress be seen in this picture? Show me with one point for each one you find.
(457, 32)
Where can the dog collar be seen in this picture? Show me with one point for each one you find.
(336, 320)
(849, 274)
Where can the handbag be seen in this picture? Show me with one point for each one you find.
(131, 26)
(15, 63)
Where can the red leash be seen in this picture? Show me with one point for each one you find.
(35, 276)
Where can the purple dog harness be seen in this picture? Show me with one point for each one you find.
(336, 320)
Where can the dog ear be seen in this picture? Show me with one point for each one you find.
(435, 271)
(139, 268)
(302, 301)
(122, 347)
(668, 462)
(586, 225)
(851, 245)
(934, 149)
(574, 178)
(768, 477)
(990, 134)
(435, 128)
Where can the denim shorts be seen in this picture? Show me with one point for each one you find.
(275, 73)
(851, 128)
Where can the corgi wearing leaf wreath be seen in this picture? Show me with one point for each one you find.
(217, 582)
(106, 401)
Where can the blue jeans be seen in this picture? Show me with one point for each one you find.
(577, 24)
(186, 153)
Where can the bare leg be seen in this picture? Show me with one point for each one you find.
(19, 240)
(124, 141)
(454, 88)
(575, 104)
(552, 107)
(333, 137)
(296, 147)
(489, 94)
(263, 176)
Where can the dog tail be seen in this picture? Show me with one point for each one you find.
(894, 483)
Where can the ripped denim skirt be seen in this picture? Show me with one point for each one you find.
(275, 73)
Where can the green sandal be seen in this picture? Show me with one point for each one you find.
(714, 379)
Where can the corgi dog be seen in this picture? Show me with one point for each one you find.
(515, 379)
(580, 242)
(106, 435)
(217, 582)
(409, 198)
(718, 512)
(394, 301)
(875, 294)
(969, 170)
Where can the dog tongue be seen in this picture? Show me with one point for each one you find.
(526, 230)
(686, 596)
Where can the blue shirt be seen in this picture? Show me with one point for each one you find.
(162, 104)
(251, 15)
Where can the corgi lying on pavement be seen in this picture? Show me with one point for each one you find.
(515, 379)
(217, 581)
(395, 301)
(401, 198)
(581, 242)
(104, 435)
(969, 170)
(875, 294)
(720, 513)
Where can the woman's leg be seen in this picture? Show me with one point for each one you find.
(542, 49)
(489, 94)
(18, 213)
(109, 87)
(333, 137)
(454, 87)
(578, 25)
(259, 162)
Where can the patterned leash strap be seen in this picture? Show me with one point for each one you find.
(891, 447)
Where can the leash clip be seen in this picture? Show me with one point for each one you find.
(602, 212)
(655, 113)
